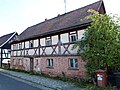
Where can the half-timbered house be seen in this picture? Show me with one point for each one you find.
(46, 47)
(5, 47)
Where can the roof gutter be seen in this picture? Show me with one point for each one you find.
(54, 32)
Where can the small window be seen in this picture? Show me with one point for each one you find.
(73, 63)
(48, 41)
(73, 38)
(50, 62)
(31, 44)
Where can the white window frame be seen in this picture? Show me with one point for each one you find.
(73, 36)
(73, 61)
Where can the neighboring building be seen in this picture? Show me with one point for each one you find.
(46, 47)
(5, 47)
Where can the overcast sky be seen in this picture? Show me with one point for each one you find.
(17, 15)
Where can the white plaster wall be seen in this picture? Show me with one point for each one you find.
(22, 45)
(80, 34)
(22, 52)
(31, 52)
(54, 39)
(62, 49)
(25, 52)
(72, 51)
(48, 50)
(18, 53)
(27, 44)
(56, 49)
(14, 53)
(41, 51)
(42, 42)
(35, 43)
(64, 38)
(36, 51)
(11, 47)
(15, 46)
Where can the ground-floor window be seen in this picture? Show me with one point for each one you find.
(50, 62)
(73, 63)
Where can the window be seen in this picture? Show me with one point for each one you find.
(48, 41)
(73, 38)
(31, 44)
(20, 45)
(50, 62)
(73, 63)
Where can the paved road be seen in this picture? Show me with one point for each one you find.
(7, 83)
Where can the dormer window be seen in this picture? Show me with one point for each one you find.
(31, 44)
(73, 37)
(48, 41)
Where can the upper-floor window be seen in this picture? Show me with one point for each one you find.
(31, 43)
(73, 63)
(50, 62)
(15, 46)
(73, 36)
(20, 45)
(48, 41)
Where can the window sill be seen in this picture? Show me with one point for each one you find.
(50, 67)
(73, 68)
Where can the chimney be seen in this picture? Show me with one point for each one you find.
(45, 19)
(58, 15)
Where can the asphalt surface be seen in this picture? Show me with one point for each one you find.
(7, 83)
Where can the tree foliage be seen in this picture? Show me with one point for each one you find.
(101, 43)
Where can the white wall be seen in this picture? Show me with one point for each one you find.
(35, 43)
(64, 38)
(27, 44)
(42, 42)
(54, 40)
(11, 47)
(22, 45)
(48, 50)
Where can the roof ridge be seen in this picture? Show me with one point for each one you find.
(63, 21)
(65, 13)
